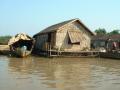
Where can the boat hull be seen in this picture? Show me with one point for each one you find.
(114, 55)
(21, 53)
(21, 45)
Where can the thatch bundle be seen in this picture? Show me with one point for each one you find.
(21, 36)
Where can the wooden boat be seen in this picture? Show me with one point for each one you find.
(112, 54)
(21, 45)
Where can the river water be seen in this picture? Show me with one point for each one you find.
(36, 73)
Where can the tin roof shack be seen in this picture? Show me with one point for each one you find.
(105, 41)
(71, 35)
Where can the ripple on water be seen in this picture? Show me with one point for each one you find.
(59, 73)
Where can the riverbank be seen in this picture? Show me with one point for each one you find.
(4, 49)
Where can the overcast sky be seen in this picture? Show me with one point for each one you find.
(32, 16)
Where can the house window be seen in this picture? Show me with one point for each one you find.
(69, 41)
(75, 43)
(74, 37)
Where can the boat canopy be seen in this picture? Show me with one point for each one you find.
(21, 36)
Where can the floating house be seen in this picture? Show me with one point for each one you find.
(108, 45)
(105, 41)
(71, 35)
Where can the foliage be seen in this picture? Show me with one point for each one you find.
(100, 31)
(4, 39)
(114, 32)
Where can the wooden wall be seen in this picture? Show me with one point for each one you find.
(59, 39)
(42, 41)
(62, 38)
(53, 40)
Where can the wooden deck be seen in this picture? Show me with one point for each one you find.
(113, 55)
(55, 53)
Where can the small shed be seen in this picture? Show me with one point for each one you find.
(71, 35)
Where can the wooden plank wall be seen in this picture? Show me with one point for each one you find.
(40, 41)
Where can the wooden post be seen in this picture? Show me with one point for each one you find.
(58, 52)
(50, 49)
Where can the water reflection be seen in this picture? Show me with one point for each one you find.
(55, 73)
(64, 73)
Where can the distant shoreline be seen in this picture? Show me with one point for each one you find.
(4, 47)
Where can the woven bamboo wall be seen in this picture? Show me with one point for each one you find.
(40, 41)
(59, 39)
(62, 38)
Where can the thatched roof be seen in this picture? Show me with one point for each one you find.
(18, 37)
(57, 26)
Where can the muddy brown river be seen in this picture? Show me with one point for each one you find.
(36, 73)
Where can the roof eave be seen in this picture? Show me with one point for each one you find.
(41, 33)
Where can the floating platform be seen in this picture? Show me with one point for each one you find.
(113, 55)
(55, 53)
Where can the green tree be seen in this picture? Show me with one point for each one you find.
(100, 31)
(114, 32)
(4, 39)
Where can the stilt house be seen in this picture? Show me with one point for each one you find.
(71, 35)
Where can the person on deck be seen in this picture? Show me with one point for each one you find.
(114, 46)
(108, 45)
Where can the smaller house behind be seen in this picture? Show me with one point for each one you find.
(105, 41)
